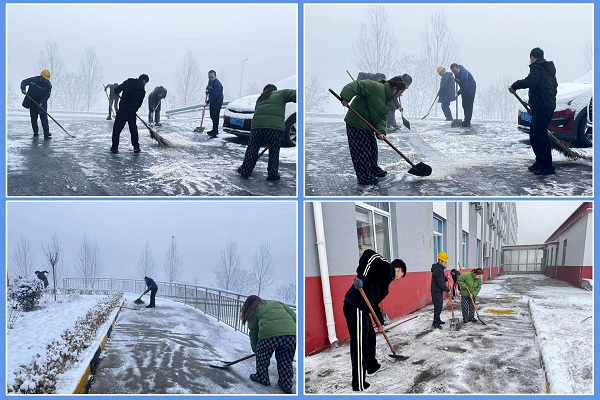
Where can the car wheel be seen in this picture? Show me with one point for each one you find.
(290, 132)
(584, 136)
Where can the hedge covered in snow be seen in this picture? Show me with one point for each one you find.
(26, 292)
(43, 371)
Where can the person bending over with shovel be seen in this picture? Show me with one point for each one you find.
(272, 328)
(438, 287)
(471, 280)
(372, 101)
(268, 126)
(131, 101)
(153, 288)
(154, 104)
(36, 99)
(374, 275)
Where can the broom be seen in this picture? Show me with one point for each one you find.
(153, 134)
(139, 299)
(557, 144)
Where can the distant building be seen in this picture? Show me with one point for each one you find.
(337, 233)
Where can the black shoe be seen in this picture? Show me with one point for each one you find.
(465, 321)
(380, 173)
(534, 166)
(449, 119)
(113, 150)
(466, 124)
(47, 135)
(545, 171)
(35, 134)
(436, 326)
(148, 306)
(441, 322)
(285, 390)
(473, 320)
(255, 378)
(136, 150)
(239, 171)
(273, 178)
(108, 118)
(158, 124)
(373, 181)
(212, 134)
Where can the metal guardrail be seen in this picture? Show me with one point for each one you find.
(188, 109)
(222, 304)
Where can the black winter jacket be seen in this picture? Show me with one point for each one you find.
(40, 92)
(542, 85)
(377, 274)
(438, 279)
(155, 96)
(133, 95)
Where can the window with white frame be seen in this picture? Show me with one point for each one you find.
(465, 249)
(373, 228)
(438, 237)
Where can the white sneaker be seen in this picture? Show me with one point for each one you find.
(382, 367)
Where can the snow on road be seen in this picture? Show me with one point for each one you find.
(501, 357)
(488, 159)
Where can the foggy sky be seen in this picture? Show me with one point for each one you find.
(153, 39)
(121, 229)
(538, 220)
(494, 40)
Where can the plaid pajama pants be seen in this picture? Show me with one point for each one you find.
(284, 348)
(468, 312)
(258, 137)
(363, 150)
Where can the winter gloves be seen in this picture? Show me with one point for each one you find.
(358, 283)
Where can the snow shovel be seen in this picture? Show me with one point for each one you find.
(139, 299)
(426, 115)
(557, 144)
(227, 364)
(456, 122)
(46, 112)
(454, 323)
(393, 355)
(420, 169)
(405, 122)
(201, 129)
(474, 306)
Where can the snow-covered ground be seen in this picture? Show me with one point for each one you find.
(488, 159)
(167, 349)
(196, 165)
(502, 357)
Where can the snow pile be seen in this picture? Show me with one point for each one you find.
(26, 292)
(42, 373)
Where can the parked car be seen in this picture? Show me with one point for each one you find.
(570, 116)
(237, 118)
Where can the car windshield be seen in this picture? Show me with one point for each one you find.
(585, 78)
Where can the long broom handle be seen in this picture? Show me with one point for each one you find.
(362, 292)
(42, 108)
(523, 103)
(401, 322)
(372, 128)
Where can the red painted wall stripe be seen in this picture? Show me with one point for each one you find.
(570, 274)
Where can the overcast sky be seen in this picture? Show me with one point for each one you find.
(493, 39)
(121, 229)
(131, 39)
(540, 219)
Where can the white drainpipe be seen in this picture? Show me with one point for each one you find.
(458, 236)
(324, 268)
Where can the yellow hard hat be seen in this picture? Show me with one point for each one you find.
(442, 255)
(46, 74)
(440, 69)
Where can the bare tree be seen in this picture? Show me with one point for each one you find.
(286, 292)
(316, 95)
(588, 52)
(227, 270)
(89, 263)
(377, 47)
(173, 263)
(146, 265)
(263, 269)
(495, 102)
(91, 76)
(71, 96)
(53, 253)
(223, 77)
(253, 88)
(51, 60)
(188, 84)
(22, 259)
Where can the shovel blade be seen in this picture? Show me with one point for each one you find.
(457, 123)
(454, 324)
(406, 123)
(420, 169)
(398, 357)
(221, 366)
(199, 129)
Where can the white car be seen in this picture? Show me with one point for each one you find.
(570, 115)
(237, 118)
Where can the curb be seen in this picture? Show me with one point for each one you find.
(86, 378)
(537, 346)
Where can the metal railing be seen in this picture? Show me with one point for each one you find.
(222, 304)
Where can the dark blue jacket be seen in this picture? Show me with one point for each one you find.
(40, 92)
(465, 81)
(214, 90)
(133, 95)
(446, 91)
(151, 284)
(542, 85)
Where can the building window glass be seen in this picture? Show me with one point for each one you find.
(564, 252)
(465, 249)
(438, 237)
(372, 228)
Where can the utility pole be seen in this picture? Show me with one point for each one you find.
(242, 75)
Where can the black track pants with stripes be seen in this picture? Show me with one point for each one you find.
(363, 150)
(362, 345)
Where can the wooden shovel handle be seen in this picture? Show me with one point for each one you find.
(362, 292)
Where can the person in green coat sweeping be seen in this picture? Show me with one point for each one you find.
(268, 125)
(272, 327)
(473, 281)
(372, 101)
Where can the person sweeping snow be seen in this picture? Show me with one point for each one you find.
(152, 288)
(272, 327)
(471, 280)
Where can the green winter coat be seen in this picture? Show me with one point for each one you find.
(468, 279)
(372, 102)
(270, 113)
(272, 319)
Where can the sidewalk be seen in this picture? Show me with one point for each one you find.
(168, 350)
(501, 357)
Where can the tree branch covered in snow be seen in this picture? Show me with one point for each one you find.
(53, 253)
(89, 262)
(316, 96)
(91, 76)
(286, 292)
(173, 263)
(227, 270)
(21, 257)
(188, 81)
(263, 269)
(51, 60)
(146, 265)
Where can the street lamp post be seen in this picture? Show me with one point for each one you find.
(242, 76)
